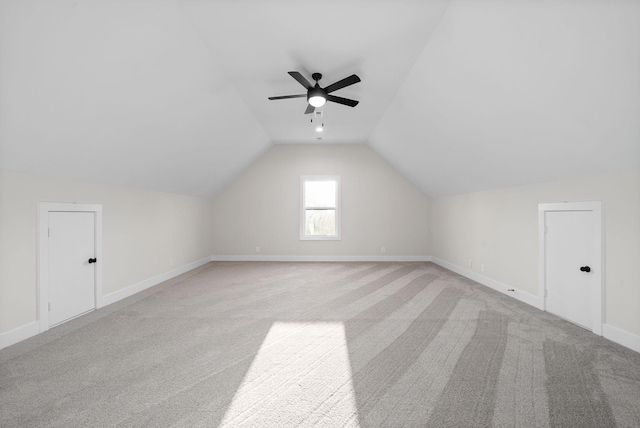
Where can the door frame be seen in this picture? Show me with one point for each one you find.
(598, 263)
(44, 208)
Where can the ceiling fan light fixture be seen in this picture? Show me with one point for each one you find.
(317, 100)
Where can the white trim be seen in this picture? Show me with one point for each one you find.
(598, 264)
(44, 208)
(621, 337)
(19, 334)
(571, 206)
(284, 258)
(523, 296)
(303, 236)
(34, 328)
(148, 283)
(614, 334)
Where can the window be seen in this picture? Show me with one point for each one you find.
(320, 207)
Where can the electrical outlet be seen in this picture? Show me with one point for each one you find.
(257, 249)
(383, 250)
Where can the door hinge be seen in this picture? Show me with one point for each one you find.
(49, 232)
(49, 306)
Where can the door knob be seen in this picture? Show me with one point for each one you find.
(583, 268)
(94, 260)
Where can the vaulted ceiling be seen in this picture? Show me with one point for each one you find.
(458, 95)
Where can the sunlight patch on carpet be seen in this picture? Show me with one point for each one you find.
(301, 377)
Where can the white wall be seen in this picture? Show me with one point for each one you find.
(499, 228)
(143, 231)
(379, 206)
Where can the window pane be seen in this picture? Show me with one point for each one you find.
(320, 222)
(320, 194)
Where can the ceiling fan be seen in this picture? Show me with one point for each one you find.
(317, 96)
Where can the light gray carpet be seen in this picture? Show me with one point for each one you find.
(319, 344)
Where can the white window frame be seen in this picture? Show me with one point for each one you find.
(303, 208)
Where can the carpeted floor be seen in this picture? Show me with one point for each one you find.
(319, 344)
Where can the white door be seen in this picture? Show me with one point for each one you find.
(572, 265)
(71, 265)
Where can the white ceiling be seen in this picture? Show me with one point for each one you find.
(457, 95)
(257, 42)
(515, 92)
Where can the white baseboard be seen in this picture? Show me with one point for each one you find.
(266, 258)
(523, 296)
(614, 334)
(33, 328)
(610, 332)
(621, 337)
(148, 283)
(19, 334)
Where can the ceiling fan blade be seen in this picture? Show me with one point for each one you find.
(342, 83)
(284, 97)
(340, 100)
(309, 109)
(300, 78)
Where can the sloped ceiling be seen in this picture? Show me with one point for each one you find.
(122, 92)
(457, 95)
(515, 92)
